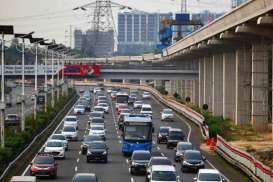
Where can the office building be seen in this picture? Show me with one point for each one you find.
(138, 32)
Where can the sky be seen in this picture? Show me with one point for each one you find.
(54, 18)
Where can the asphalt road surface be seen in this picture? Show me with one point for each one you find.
(117, 168)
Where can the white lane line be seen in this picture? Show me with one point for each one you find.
(162, 155)
(76, 168)
(132, 179)
(27, 168)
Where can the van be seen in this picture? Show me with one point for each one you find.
(146, 109)
(23, 179)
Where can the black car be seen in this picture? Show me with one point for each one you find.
(84, 177)
(97, 151)
(87, 140)
(193, 160)
(175, 135)
(163, 134)
(139, 161)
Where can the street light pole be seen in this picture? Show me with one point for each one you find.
(2, 94)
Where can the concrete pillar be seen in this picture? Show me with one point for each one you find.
(208, 82)
(201, 83)
(217, 85)
(243, 86)
(259, 112)
(229, 89)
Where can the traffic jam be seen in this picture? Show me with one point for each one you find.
(150, 142)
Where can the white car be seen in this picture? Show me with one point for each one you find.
(79, 109)
(71, 121)
(146, 95)
(207, 175)
(104, 106)
(146, 109)
(163, 173)
(97, 130)
(70, 133)
(56, 148)
(61, 138)
(138, 104)
(167, 115)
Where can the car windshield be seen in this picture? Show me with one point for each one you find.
(69, 129)
(209, 177)
(136, 132)
(184, 147)
(90, 138)
(97, 145)
(163, 176)
(141, 156)
(193, 156)
(44, 160)
(164, 130)
(70, 119)
(54, 144)
(161, 162)
(58, 137)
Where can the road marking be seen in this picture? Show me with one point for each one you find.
(76, 168)
(28, 167)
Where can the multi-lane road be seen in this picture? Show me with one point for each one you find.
(117, 168)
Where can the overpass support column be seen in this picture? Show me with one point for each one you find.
(217, 85)
(243, 86)
(208, 82)
(229, 85)
(201, 83)
(259, 112)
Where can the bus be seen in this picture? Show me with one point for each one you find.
(122, 98)
(137, 133)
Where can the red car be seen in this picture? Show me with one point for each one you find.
(44, 165)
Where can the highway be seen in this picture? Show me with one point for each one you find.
(117, 168)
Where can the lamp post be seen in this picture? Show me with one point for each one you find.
(4, 29)
(23, 36)
(36, 41)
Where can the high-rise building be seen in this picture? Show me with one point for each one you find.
(235, 3)
(138, 32)
(78, 38)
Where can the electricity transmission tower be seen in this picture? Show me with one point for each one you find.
(102, 35)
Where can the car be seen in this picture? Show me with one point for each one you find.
(180, 150)
(56, 148)
(97, 130)
(167, 115)
(12, 120)
(139, 161)
(163, 173)
(87, 140)
(97, 151)
(84, 177)
(137, 104)
(193, 160)
(44, 164)
(61, 138)
(96, 121)
(205, 175)
(146, 109)
(175, 135)
(163, 134)
(71, 121)
(70, 133)
(105, 106)
(146, 95)
(158, 161)
(79, 109)
(95, 114)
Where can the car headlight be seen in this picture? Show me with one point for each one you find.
(104, 153)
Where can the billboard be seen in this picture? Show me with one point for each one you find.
(81, 70)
